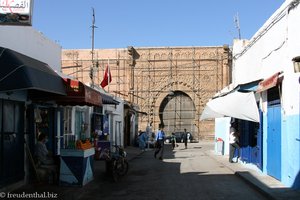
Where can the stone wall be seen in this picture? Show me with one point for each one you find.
(146, 76)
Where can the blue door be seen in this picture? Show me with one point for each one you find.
(250, 143)
(245, 141)
(254, 139)
(274, 141)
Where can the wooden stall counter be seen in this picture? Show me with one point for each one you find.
(76, 166)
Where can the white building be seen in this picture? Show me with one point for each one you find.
(30, 42)
(271, 59)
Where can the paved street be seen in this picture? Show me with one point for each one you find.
(183, 174)
(193, 173)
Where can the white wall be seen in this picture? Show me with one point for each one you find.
(28, 41)
(222, 127)
(273, 52)
(119, 118)
(271, 49)
(116, 113)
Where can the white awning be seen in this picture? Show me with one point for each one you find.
(240, 105)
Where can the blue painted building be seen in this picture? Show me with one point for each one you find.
(271, 141)
(273, 56)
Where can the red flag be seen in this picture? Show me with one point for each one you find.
(107, 77)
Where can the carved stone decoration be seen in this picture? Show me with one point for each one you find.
(160, 78)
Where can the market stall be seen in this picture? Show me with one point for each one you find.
(76, 166)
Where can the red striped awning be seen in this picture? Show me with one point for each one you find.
(269, 82)
(79, 94)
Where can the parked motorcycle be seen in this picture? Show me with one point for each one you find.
(117, 162)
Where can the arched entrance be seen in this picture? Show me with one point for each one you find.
(177, 112)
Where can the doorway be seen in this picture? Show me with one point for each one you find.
(274, 133)
(274, 141)
(177, 112)
(11, 142)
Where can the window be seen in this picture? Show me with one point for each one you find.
(68, 120)
(80, 124)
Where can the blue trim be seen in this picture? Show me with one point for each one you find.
(248, 87)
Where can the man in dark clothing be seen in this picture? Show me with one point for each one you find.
(185, 138)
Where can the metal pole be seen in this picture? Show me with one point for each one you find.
(93, 33)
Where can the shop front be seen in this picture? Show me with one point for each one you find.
(130, 124)
(21, 78)
(105, 128)
(77, 149)
(241, 104)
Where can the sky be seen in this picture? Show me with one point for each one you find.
(149, 23)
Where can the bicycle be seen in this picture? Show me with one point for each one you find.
(116, 162)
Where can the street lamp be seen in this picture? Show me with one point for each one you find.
(296, 62)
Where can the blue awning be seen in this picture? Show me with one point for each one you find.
(248, 87)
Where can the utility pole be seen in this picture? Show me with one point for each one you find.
(237, 24)
(93, 36)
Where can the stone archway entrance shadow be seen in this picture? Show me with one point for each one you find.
(177, 112)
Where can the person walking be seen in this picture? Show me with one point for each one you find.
(173, 141)
(142, 140)
(149, 134)
(185, 138)
(160, 137)
(233, 142)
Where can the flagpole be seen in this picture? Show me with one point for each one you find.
(108, 71)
